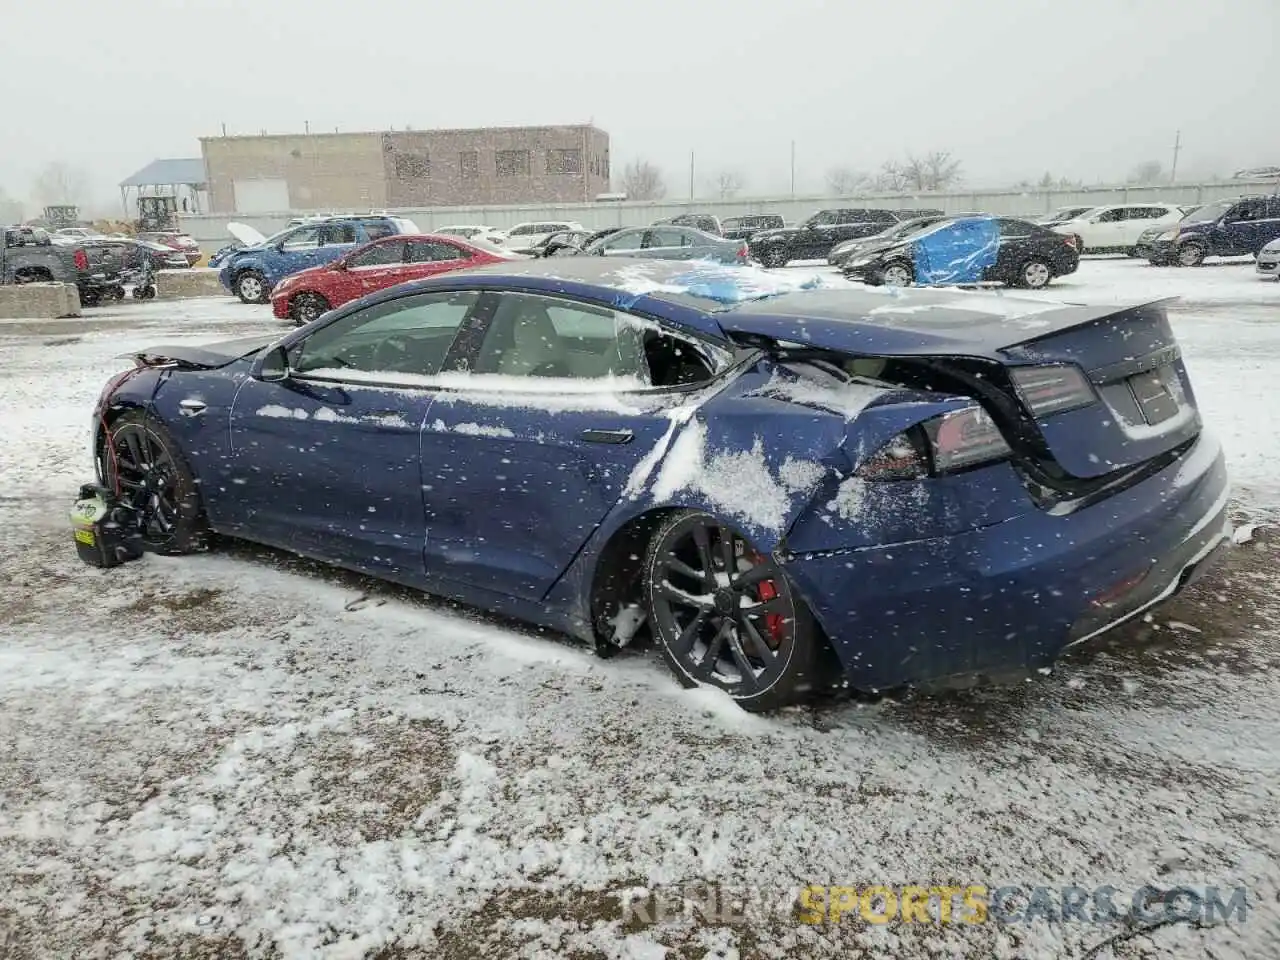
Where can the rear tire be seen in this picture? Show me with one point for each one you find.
(700, 592)
(306, 307)
(143, 462)
(1034, 274)
(251, 287)
(775, 258)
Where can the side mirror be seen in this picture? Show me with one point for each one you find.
(272, 366)
(339, 265)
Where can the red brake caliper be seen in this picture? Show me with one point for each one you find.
(773, 622)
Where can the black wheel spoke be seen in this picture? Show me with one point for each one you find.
(673, 594)
(758, 643)
(690, 633)
(757, 574)
(675, 565)
(726, 553)
(135, 451)
(742, 663)
(715, 646)
(703, 543)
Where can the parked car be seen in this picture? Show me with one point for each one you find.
(1061, 215)
(669, 243)
(692, 461)
(1117, 227)
(138, 251)
(841, 252)
(523, 237)
(182, 242)
(1224, 228)
(30, 255)
(814, 238)
(77, 233)
(305, 295)
(253, 271)
(572, 243)
(554, 241)
(471, 231)
(699, 221)
(1269, 260)
(970, 250)
(744, 228)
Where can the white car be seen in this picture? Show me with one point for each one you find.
(523, 237)
(473, 231)
(1117, 227)
(1269, 260)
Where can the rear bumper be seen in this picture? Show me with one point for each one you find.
(1008, 598)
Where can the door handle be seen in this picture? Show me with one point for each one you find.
(608, 436)
(192, 408)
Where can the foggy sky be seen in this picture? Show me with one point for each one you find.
(1014, 88)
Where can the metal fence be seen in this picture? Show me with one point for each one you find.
(210, 229)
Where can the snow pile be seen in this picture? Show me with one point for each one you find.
(825, 392)
(737, 483)
(473, 430)
(277, 412)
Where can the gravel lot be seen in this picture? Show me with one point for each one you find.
(243, 755)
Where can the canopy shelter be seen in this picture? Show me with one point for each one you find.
(182, 179)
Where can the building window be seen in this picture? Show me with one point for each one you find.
(469, 164)
(564, 161)
(412, 166)
(604, 166)
(512, 163)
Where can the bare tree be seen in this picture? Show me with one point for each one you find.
(891, 178)
(1148, 171)
(61, 183)
(641, 180)
(728, 183)
(845, 181)
(936, 170)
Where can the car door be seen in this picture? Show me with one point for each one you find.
(1269, 226)
(1243, 227)
(297, 250)
(668, 243)
(372, 268)
(525, 455)
(325, 454)
(1015, 244)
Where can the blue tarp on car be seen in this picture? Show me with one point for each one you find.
(958, 252)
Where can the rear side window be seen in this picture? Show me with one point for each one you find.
(434, 252)
(1273, 208)
(335, 233)
(1014, 229)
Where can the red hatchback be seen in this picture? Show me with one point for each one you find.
(396, 259)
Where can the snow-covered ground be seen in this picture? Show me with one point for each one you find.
(241, 755)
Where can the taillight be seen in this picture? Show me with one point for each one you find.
(744, 252)
(946, 444)
(82, 260)
(1052, 388)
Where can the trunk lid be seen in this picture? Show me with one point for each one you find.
(1143, 403)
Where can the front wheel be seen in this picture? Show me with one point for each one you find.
(725, 615)
(1190, 255)
(897, 275)
(306, 307)
(1034, 275)
(143, 464)
(251, 287)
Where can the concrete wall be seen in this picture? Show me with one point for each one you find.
(182, 284)
(39, 301)
(211, 230)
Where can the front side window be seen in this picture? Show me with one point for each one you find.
(667, 237)
(626, 240)
(380, 255)
(823, 218)
(410, 335)
(304, 238)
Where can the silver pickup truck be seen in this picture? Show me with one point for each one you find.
(30, 255)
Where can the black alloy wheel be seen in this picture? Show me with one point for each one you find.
(141, 465)
(725, 615)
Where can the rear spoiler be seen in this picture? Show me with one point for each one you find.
(1087, 313)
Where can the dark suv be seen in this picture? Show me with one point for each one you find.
(1224, 228)
(744, 228)
(813, 239)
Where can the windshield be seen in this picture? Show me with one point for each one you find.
(1210, 211)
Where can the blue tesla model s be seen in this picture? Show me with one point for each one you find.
(777, 484)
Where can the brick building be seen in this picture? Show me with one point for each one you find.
(410, 168)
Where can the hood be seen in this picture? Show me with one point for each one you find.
(889, 322)
(245, 234)
(1273, 246)
(871, 246)
(204, 356)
